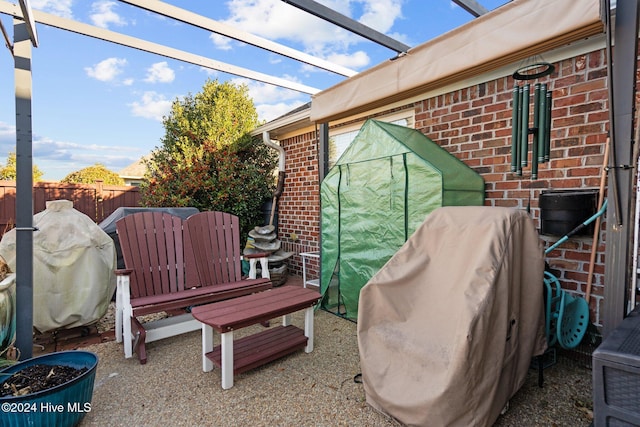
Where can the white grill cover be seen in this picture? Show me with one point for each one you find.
(73, 267)
(447, 328)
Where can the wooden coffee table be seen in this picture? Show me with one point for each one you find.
(234, 357)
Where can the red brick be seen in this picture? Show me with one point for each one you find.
(569, 100)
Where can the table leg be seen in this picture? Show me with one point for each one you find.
(286, 320)
(207, 346)
(119, 308)
(304, 270)
(127, 333)
(227, 359)
(308, 329)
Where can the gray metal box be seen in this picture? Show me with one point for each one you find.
(616, 376)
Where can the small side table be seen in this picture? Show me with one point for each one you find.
(225, 317)
(306, 256)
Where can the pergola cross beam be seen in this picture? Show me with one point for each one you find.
(205, 23)
(147, 46)
(348, 24)
(27, 16)
(472, 6)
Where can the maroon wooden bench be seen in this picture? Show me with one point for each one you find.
(172, 265)
(234, 357)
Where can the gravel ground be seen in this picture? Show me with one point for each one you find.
(315, 389)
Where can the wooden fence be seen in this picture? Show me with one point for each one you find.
(97, 201)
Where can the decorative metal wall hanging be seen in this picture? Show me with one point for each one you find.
(540, 129)
(531, 69)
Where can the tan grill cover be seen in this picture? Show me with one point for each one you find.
(447, 328)
(73, 267)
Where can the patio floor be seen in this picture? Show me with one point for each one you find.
(301, 389)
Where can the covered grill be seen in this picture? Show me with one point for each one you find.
(73, 267)
(447, 328)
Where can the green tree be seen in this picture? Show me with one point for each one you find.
(94, 173)
(9, 171)
(207, 158)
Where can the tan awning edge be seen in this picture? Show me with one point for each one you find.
(489, 42)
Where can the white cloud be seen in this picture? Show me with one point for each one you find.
(276, 20)
(51, 149)
(262, 92)
(271, 101)
(381, 14)
(358, 59)
(7, 140)
(107, 70)
(210, 72)
(59, 158)
(152, 105)
(6, 131)
(221, 42)
(103, 14)
(160, 72)
(269, 112)
(60, 8)
(113, 162)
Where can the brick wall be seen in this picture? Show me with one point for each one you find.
(474, 124)
(299, 205)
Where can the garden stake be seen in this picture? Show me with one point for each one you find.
(596, 231)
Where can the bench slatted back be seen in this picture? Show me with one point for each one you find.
(215, 239)
(153, 247)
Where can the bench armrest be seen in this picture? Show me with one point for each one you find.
(124, 272)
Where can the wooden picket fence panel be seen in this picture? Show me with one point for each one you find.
(97, 201)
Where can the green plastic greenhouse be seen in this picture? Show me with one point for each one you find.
(380, 190)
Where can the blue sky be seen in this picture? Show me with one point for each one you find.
(94, 101)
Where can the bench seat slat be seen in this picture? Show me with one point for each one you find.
(197, 296)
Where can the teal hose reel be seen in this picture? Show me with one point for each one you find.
(566, 315)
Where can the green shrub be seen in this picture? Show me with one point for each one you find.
(208, 159)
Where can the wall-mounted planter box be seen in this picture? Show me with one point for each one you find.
(563, 210)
